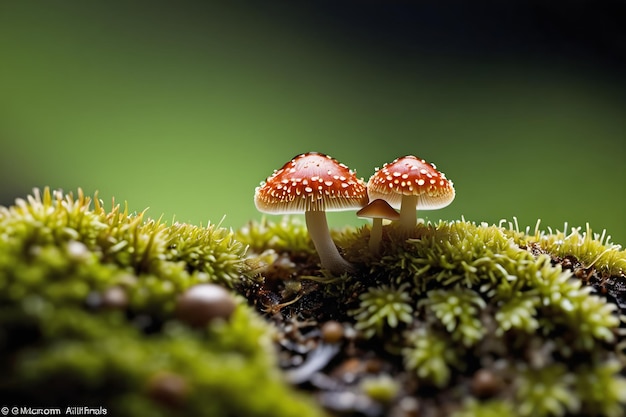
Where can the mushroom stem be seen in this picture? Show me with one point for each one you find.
(320, 235)
(376, 235)
(408, 213)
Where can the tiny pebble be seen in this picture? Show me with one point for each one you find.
(332, 331)
(349, 370)
(115, 298)
(203, 303)
(485, 383)
(406, 407)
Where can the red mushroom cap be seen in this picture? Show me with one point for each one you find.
(410, 175)
(311, 182)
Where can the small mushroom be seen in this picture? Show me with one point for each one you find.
(203, 303)
(377, 210)
(313, 183)
(408, 184)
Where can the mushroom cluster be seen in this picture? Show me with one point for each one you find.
(313, 183)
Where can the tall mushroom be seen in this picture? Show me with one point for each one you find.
(410, 183)
(377, 210)
(313, 183)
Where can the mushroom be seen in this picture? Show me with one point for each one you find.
(313, 183)
(377, 210)
(409, 183)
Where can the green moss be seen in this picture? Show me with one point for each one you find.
(451, 299)
(592, 249)
(382, 308)
(485, 296)
(494, 408)
(518, 313)
(546, 391)
(431, 356)
(458, 311)
(602, 389)
(381, 388)
(60, 342)
(115, 362)
(287, 235)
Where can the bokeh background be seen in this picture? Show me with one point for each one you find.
(184, 107)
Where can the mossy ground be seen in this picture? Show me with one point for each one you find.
(456, 319)
(65, 341)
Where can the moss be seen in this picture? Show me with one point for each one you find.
(221, 372)
(382, 308)
(431, 356)
(537, 312)
(494, 408)
(61, 342)
(602, 388)
(380, 388)
(457, 297)
(287, 235)
(546, 391)
(592, 249)
(458, 311)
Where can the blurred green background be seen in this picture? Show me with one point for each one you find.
(184, 107)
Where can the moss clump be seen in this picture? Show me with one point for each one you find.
(287, 235)
(457, 299)
(64, 340)
(458, 309)
(429, 355)
(588, 248)
(382, 308)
